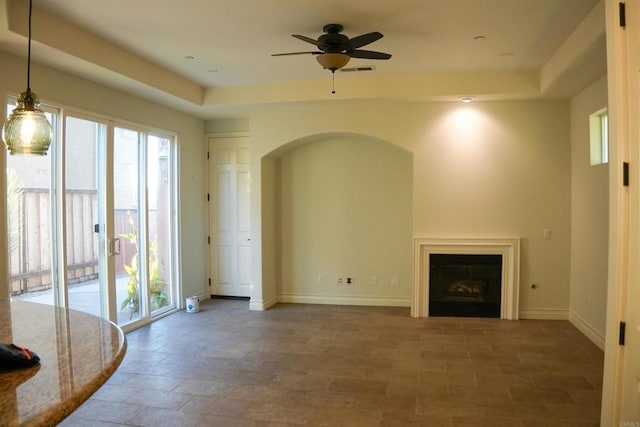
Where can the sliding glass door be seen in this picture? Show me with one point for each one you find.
(84, 215)
(143, 224)
(106, 215)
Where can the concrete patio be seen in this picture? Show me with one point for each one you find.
(84, 296)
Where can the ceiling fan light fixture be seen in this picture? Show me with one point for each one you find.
(333, 61)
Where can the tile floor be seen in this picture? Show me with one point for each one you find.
(348, 366)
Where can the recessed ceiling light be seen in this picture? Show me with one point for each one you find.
(507, 54)
(189, 57)
(213, 70)
(479, 38)
(466, 99)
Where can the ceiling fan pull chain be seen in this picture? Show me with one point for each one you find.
(333, 83)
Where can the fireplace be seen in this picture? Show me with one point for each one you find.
(465, 285)
(471, 277)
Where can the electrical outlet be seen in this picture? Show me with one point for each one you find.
(320, 279)
(394, 281)
(350, 281)
(374, 280)
(340, 280)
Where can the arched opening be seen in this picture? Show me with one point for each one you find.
(337, 221)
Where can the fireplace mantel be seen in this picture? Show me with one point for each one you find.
(509, 249)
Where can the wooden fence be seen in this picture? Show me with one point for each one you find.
(31, 248)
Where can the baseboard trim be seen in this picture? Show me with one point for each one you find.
(544, 314)
(263, 304)
(213, 296)
(202, 297)
(349, 300)
(588, 330)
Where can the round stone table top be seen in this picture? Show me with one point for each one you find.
(78, 353)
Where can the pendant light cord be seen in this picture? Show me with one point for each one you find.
(29, 50)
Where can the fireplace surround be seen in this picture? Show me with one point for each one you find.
(507, 248)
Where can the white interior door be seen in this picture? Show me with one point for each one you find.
(621, 387)
(229, 184)
(631, 314)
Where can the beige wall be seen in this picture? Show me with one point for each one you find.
(225, 126)
(344, 209)
(589, 219)
(57, 87)
(494, 169)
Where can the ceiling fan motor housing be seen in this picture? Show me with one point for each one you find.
(333, 28)
(334, 43)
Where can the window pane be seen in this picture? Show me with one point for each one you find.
(604, 120)
(599, 137)
(127, 223)
(159, 210)
(82, 242)
(29, 223)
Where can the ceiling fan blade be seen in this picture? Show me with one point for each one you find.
(364, 39)
(297, 53)
(306, 39)
(369, 54)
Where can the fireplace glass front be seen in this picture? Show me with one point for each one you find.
(465, 285)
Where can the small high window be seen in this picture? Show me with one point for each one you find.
(599, 137)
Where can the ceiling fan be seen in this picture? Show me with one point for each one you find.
(336, 49)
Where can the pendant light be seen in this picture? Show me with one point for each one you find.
(27, 130)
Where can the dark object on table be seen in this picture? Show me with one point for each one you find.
(13, 356)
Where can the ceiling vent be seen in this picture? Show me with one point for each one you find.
(357, 69)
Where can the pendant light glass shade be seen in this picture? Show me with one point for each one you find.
(27, 130)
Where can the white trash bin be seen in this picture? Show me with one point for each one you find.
(193, 304)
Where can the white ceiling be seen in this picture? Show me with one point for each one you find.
(232, 42)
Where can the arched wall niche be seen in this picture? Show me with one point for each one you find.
(337, 205)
